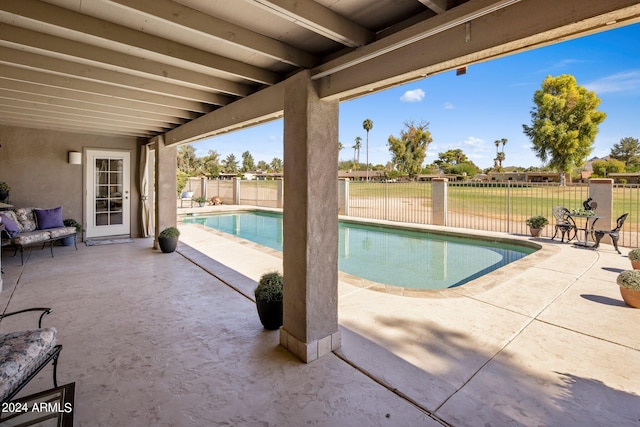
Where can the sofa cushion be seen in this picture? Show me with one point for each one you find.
(49, 218)
(10, 226)
(59, 232)
(12, 216)
(26, 218)
(28, 237)
(21, 353)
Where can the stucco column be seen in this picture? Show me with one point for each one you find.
(166, 187)
(601, 191)
(439, 197)
(310, 257)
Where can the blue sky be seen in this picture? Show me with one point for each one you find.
(492, 101)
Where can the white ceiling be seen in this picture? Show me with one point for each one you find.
(141, 68)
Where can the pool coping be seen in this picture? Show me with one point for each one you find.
(473, 287)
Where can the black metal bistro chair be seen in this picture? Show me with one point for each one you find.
(564, 224)
(614, 234)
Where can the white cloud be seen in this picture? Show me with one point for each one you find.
(447, 106)
(619, 82)
(416, 95)
(473, 142)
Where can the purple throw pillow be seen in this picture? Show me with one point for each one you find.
(9, 225)
(49, 218)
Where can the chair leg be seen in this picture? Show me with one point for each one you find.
(599, 237)
(614, 239)
(55, 366)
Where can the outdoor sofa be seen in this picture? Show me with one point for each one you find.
(23, 227)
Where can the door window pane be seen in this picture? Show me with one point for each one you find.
(108, 193)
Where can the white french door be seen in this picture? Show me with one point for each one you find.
(107, 207)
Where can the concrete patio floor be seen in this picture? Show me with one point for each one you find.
(174, 339)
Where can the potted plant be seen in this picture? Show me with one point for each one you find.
(536, 223)
(201, 201)
(70, 222)
(634, 257)
(168, 239)
(629, 282)
(269, 300)
(4, 191)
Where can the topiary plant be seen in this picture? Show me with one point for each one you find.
(270, 287)
(634, 254)
(537, 221)
(169, 232)
(629, 279)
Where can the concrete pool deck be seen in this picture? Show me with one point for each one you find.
(549, 342)
(155, 339)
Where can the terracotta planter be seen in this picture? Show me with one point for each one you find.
(270, 314)
(635, 265)
(631, 297)
(535, 232)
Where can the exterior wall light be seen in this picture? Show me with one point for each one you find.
(75, 158)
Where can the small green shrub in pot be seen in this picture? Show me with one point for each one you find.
(629, 279)
(629, 282)
(70, 222)
(537, 222)
(270, 287)
(269, 300)
(634, 255)
(168, 239)
(169, 232)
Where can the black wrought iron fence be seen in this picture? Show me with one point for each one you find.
(490, 206)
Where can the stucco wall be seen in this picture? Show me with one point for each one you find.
(35, 164)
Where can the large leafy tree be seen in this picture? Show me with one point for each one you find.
(564, 123)
(210, 164)
(248, 164)
(627, 151)
(451, 157)
(230, 164)
(409, 151)
(277, 165)
(187, 160)
(602, 168)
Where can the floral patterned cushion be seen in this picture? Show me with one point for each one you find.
(29, 237)
(63, 231)
(21, 353)
(26, 218)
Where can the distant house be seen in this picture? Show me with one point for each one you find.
(527, 176)
(628, 177)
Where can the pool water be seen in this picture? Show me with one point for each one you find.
(397, 257)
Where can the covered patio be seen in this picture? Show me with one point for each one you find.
(174, 339)
(160, 339)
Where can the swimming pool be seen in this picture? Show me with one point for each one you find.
(414, 259)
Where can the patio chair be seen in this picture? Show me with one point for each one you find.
(614, 234)
(564, 224)
(23, 354)
(186, 196)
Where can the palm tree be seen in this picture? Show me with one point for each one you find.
(367, 125)
(356, 150)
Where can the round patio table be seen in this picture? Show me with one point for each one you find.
(587, 228)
